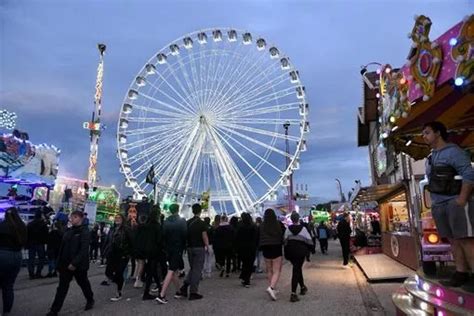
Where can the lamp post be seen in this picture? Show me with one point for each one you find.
(286, 125)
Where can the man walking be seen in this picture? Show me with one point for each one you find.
(174, 238)
(198, 243)
(344, 233)
(73, 261)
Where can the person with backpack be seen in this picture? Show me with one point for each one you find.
(298, 244)
(322, 231)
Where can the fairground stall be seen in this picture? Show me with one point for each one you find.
(437, 83)
(101, 203)
(27, 173)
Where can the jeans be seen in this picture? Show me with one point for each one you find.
(65, 278)
(297, 275)
(10, 263)
(93, 251)
(34, 250)
(208, 260)
(258, 261)
(196, 263)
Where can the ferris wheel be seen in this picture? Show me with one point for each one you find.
(219, 112)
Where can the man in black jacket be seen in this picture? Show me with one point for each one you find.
(73, 261)
(344, 233)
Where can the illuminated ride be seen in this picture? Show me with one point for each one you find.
(205, 115)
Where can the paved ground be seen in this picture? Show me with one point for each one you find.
(332, 291)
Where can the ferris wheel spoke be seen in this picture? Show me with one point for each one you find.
(260, 121)
(183, 89)
(191, 166)
(210, 70)
(191, 88)
(236, 176)
(241, 73)
(261, 100)
(160, 120)
(253, 86)
(159, 145)
(261, 132)
(184, 104)
(141, 169)
(264, 110)
(252, 152)
(167, 105)
(237, 74)
(250, 74)
(157, 111)
(218, 74)
(245, 161)
(276, 150)
(225, 76)
(258, 88)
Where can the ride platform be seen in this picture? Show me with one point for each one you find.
(381, 268)
(422, 295)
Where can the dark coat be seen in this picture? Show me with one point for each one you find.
(74, 248)
(37, 232)
(246, 239)
(121, 243)
(344, 230)
(148, 242)
(224, 237)
(54, 242)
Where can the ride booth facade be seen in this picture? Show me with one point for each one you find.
(436, 84)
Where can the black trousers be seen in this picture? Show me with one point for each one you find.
(152, 272)
(345, 245)
(224, 258)
(65, 278)
(297, 275)
(248, 258)
(93, 251)
(323, 243)
(115, 269)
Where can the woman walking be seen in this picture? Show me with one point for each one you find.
(298, 243)
(121, 244)
(271, 243)
(246, 245)
(13, 236)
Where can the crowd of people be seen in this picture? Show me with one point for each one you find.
(154, 249)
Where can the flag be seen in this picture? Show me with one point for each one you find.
(150, 177)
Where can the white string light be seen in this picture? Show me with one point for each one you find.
(7, 119)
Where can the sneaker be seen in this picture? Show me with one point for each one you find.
(195, 296)
(227, 275)
(138, 284)
(161, 299)
(179, 295)
(272, 293)
(221, 274)
(184, 289)
(303, 290)
(105, 282)
(294, 298)
(245, 284)
(116, 298)
(182, 274)
(457, 279)
(89, 305)
(147, 297)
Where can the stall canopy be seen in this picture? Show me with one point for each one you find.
(436, 84)
(376, 193)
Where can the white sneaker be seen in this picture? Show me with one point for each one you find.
(272, 293)
(116, 298)
(138, 284)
